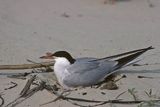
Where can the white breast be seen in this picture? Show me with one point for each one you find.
(60, 69)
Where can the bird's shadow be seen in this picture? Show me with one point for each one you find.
(139, 71)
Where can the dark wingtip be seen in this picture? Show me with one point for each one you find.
(123, 61)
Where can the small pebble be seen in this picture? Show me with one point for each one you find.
(84, 93)
(103, 93)
(124, 76)
(65, 15)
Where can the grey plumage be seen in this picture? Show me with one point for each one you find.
(90, 71)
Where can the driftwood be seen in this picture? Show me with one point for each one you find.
(26, 66)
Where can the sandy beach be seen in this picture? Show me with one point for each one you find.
(30, 28)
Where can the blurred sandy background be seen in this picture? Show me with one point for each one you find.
(30, 28)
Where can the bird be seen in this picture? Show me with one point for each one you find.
(88, 71)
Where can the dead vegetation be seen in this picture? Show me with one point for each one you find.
(36, 83)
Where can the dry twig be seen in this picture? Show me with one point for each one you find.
(120, 94)
(2, 100)
(14, 85)
(27, 94)
(26, 66)
(27, 86)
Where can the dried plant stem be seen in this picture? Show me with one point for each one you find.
(2, 102)
(71, 99)
(27, 86)
(26, 66)
(26, 95)
(14, 85)
(120, 94)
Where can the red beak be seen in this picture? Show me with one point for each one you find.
(47, 56)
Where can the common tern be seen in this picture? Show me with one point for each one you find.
(88, 71)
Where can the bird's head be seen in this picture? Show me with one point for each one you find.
(59, 55)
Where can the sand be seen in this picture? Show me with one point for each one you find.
(30, 28)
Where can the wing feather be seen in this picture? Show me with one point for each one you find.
(81, 67)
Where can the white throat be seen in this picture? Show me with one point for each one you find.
(60, 68)
(62, 62)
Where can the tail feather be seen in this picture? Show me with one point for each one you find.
(124, 54)
(125, 60)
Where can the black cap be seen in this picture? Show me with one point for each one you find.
(64, 54)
